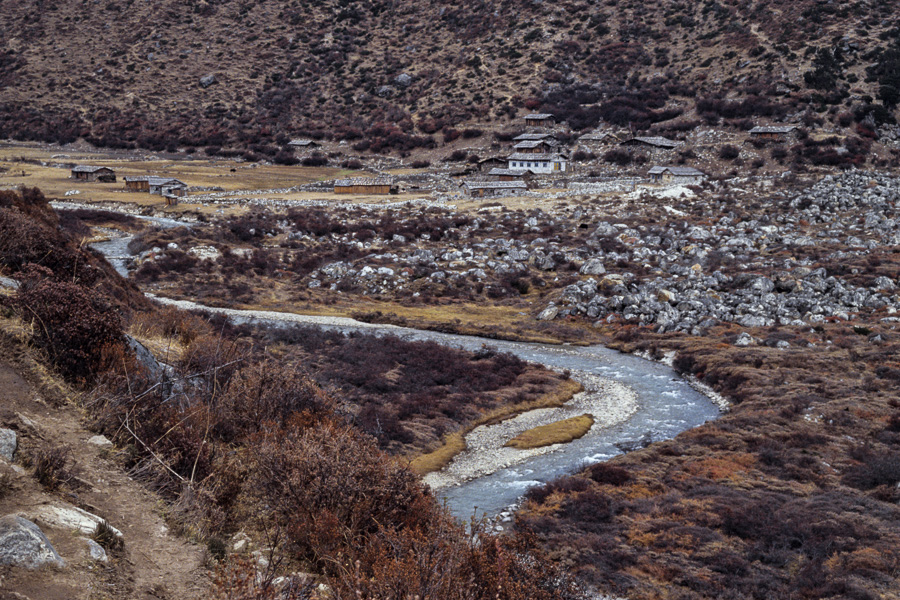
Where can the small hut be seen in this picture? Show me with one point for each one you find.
(511, 175)
(777, 132)
(540, 120)
(482, 189)
(363, 185)
(163, 186)
(303, 144)
(676, 175)
(93, 173)
(532, 147)
(491, 162)
(656, 142)
(137, 183)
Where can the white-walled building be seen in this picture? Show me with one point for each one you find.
(537, 163)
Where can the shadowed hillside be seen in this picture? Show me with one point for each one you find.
(394, 73)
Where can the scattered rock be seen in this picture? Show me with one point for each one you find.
(100, 440)
(23, 544)
(208, 80)
(96, 551)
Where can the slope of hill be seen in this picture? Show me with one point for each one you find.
(395, 72)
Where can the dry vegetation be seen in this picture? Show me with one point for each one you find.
(793, 493)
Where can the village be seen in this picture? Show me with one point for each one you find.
(544, 158)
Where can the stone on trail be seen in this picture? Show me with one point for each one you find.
(7, 444)
(23, 544)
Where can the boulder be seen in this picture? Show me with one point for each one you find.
(593, 266)
(665, 296)
(23, 544)
(7, 444)
(208, 80)
(549, 313)
(744, 339)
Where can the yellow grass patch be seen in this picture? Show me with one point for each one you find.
(561, 432)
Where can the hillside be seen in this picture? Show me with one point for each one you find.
(394, 73)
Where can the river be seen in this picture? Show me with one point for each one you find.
(634, 400)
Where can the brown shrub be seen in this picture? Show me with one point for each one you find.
(54, 466)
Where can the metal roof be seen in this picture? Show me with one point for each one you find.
(596, 136)
(773, 129)
(655, 141)
(363, 181)
(88, 169)
(302, 143)
(680, 171)
(539, 116)
(495, 185)
(525, 137)
(530, 144)
(512, 172)
(155, 180)
(535, 157)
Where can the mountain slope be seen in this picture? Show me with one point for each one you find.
(124, 73)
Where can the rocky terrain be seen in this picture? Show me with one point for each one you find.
(800, 256)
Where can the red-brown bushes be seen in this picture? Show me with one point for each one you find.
(75, 325)
(332, 488)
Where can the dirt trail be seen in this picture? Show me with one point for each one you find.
(154, 563)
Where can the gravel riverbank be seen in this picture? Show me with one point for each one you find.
(608, 401)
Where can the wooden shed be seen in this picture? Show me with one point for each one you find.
(93, 173)
(137, 183)
(363, 185)
(303, 144)
(540, 120)
(492, 162)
